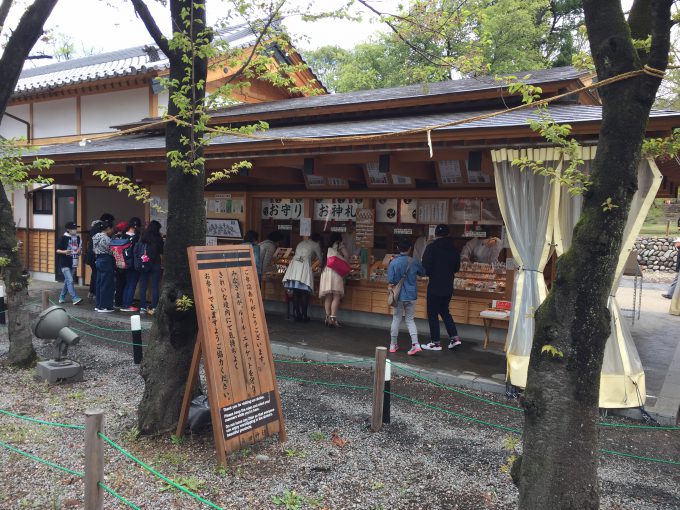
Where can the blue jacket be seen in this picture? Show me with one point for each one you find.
(409, 290)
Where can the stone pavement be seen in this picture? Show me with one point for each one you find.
(656, 335)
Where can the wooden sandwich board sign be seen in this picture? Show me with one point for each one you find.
(245, 405)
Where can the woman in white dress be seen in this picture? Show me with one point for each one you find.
(299, 276)
(332, 285)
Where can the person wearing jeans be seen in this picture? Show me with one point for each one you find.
(148, 260)
(131, 274)
(68, 251)
(441, 261)
(407, 268)
(101, 244)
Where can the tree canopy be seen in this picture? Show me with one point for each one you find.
(433, 41)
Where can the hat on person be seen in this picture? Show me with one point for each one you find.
(676, 240)
(441, 230)
(70, 225)
(122, 226)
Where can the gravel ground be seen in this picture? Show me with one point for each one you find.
(424, 459)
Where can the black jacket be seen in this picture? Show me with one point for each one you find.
(441, 261)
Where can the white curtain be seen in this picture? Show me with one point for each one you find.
(622, 381)
(527, 204)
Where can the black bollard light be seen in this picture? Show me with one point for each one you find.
(3, 311)
(136, 327)
(386, 399)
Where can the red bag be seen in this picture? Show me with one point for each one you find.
(339, 265)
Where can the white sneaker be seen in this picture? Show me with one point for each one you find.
(431, 346)
(455, 342)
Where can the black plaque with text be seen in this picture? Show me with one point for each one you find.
(248, 414)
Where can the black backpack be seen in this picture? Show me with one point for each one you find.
(140, 252)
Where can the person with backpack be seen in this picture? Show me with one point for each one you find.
(101, 245)
(118, 233)
(147, 255)
(131, 274)
(68, 251)
(404, 269)
(90, 258)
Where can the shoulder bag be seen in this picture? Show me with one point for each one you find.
(393, 291)
(337, 263)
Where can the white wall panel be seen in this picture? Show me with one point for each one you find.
(101, 111)
(11, 128)
(54, 118)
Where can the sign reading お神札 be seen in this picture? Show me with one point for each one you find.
(244, 399)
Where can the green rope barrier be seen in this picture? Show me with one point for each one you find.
(638, 457)
(515, 408)
(42, 461)
(42, 422)
(105, 338)
(322, 383)
(156, 473)
(453, 413)
(77, 319)
(455, 390)
(309, 362)
(118, 496)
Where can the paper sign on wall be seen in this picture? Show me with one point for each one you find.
(305, 227)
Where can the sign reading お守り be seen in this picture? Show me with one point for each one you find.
(245, 405)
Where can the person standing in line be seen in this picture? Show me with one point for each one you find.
(118, 233)
(251, 238)
(101, 244)
(90, 259)
(131, 274)
(299, 277)
(408, 268)
(674, 283)
(148, 262)
(68, 249)
(441, 261)
(331, 284)
(268, 248)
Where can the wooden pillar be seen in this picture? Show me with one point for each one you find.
(378, 388)
(94, 459)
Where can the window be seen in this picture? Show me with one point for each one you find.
(42, 201)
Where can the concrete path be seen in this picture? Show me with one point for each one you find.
(656, 335)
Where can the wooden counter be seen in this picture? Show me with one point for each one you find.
(369, 296)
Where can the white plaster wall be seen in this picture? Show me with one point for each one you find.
(101, 111)
(19, 205)
(43, 221)
(163, 102)
(55, 118)
(10, 128)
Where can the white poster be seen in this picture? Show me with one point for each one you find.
(386, 210)
(337, 209)
(305, 227)
(433, 211)
(408, 210)
(282, 208)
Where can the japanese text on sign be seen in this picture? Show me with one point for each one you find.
(336, 209)
(283, 208)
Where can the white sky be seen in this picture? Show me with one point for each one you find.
(107, 25)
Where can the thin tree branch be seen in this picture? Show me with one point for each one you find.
(258, 41)
(24, 37)
(408, 43)
(152, 27)
(4, 12)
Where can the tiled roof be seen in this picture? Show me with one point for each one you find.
(572, 114)
(537, 77)
(126, 62)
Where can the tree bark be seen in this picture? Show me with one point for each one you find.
(558, 467)
(20, 43)
(168, 356)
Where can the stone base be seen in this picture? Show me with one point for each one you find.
(59, 371)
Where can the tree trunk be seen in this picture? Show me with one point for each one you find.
(558, 467)
(168, 356)
(21, 352)
(20, 43)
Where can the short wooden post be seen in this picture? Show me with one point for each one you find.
(94, 459)
(378, 388)
(45, 298)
